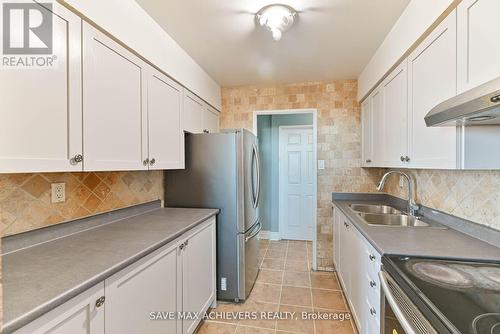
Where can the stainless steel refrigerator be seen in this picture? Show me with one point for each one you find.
(223, 171)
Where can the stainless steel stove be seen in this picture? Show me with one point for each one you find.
(424, 295)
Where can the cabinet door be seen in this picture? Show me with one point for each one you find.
(478, 50)
(379, 124)
(193, 113)
(366, 133)
(198, 273)
(432, 80)
(210, 120)
(395, 110)
(345, 255)
(80, 315)
(114, 105)
(40, 108)
(166, 136)
(337, 226)
(150, 285)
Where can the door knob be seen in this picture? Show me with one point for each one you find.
(145, 162)
(402, 158)
(407, 159)
(152, 162)
(373, 284)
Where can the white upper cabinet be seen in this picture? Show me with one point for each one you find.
(40, 108)
(210, 120)
(166, 136)
(478, 47)
(366, 133)
(432, 79)
(193, 113)
(378, 127)
(395, 106)
(114, 105)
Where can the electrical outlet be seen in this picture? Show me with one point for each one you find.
(58, 192)
(321, 164)
(401, 181)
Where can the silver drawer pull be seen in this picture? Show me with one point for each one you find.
(372, 257)
(373, 284)
(373, 311)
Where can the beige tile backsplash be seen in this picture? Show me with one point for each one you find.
(25, 202)
(472, 195)
(339, 129)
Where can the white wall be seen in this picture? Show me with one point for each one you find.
(129, 23)
(413, 22)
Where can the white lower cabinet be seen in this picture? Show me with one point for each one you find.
(150, 285)
(179, 277)
(198, 274)
(83, 314)
(357, 264)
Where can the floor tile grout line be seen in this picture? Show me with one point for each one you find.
(281, 288)
(310, 283)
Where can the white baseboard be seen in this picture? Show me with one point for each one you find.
(269, 235)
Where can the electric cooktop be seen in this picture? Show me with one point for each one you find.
(463, 295)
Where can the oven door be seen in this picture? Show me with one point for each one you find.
(400, 315)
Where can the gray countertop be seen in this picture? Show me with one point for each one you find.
(416, 241)
(39, 278)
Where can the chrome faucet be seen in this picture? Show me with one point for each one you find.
(412, 206)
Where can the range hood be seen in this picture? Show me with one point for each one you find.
(478, 106)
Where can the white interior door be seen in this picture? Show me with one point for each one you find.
(296, 183)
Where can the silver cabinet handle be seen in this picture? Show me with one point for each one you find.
(181, 246)
(402, 158)
(206, 131)
(372, 257)
(407, 159)
(145, 162)
(152, 161)
(186, 243)
(76, 159)
(373, 284)
(373, 311)
(99, 302)
(368, 161)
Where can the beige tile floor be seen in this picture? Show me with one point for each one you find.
(286, 284)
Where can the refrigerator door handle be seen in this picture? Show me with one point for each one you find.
(257, 156)
(254, 234)
(254, 163)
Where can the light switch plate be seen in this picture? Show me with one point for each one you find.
(321, 164)
(58, 192)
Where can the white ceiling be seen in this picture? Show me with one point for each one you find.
(332, 39)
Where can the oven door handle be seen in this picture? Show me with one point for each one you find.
(400, 315)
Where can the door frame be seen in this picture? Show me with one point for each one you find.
(314, 113)
(281, 204)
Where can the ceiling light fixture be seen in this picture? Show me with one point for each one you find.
(276, 18)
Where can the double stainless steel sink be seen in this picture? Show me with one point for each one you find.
(383, 215)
